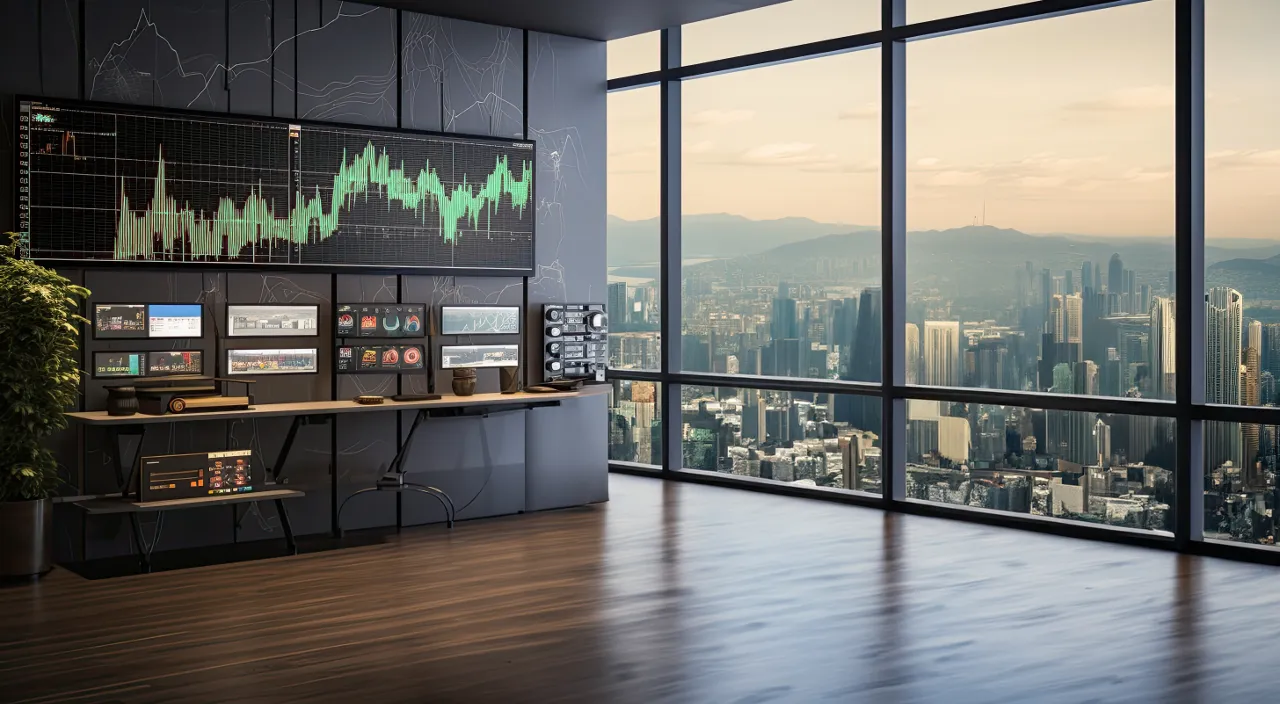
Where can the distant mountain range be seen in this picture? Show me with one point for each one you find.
(947, 257)
(633, 242)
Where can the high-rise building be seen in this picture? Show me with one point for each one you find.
(863, 412)
(942, 352)
(618, 304)
(1115, 275)
(912, 362)
(785, 321)
(1253, 339)
(1162, 366)
(1271, 348)
(1224, 318)
(1250, 391)
(1086, 276)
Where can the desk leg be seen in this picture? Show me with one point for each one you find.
(124, 480)
(287, 526)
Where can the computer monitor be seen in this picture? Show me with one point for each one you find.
(480, 320)
(272, 320)
(175, 320)
(479, 356)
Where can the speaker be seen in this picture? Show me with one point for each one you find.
(509, 377)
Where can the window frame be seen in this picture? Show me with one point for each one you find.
(1188, 408)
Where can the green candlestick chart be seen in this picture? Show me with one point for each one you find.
(232, 226)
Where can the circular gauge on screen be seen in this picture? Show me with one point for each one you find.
(390, 357)
(391, 322)
(368, 322)
(412, 356)
(346, 320)
(412, 323)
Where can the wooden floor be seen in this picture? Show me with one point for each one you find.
(671, 592)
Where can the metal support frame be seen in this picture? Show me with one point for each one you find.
(394, 480)
(1189, 409)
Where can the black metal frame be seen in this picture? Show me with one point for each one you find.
(1189, 410)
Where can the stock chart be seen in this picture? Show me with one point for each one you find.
(121, 185)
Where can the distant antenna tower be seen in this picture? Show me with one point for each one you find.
(984, 213)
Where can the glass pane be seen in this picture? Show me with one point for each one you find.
(632, 230)
(782, 436)
(1089, 467)
(922, 10)
(632, 55)
(1240, 498)
(781, 210)
(776, 26)
(635, 422)
(1040, 204)
(1242, 203)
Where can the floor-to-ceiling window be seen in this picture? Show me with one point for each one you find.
(1008, 256)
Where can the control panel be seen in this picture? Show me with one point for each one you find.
(575, 341)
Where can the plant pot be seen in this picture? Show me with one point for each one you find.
(464, 382)
(26, 538)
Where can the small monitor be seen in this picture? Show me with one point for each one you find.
(175, 320)
(273, 361)
(380, 320)
(459, 356)
(119, 321)
(271, 320)
(480, 320)
(168, 362)
(118, 365)
(392, 359)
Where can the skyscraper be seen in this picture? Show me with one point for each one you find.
(912, 361)
(1162, 366)
(618, 308)
(1086, 276)
(1115, 275)
(864, 412)
(1249, 396)
(942, 352)
(1254, 338)
(1224, 317)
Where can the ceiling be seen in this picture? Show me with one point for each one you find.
(590, 19)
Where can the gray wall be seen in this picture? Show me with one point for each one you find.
(329, 60)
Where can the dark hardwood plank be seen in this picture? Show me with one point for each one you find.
(670, 592)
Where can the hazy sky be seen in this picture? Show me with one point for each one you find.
(1058, 125)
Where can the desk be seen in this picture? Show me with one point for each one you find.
(303, 413)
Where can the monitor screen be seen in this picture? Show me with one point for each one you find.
(175, 362)
(114, 365)
(479, 320)
(380, 358)
(119, 321)
(270, 320)
(293, 361)
(380, 320)
(458, 356)
(175, 319)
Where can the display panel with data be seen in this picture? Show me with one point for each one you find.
(460, 356)
(271, 320)
(117, 184)
(271, 361)
(137, 321)
(380, 320)
(479, 320)
(119, 365)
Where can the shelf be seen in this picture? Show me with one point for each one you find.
(122, 504)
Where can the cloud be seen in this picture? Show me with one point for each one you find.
(703, 146)
(1127, 100)
(1243, 159)
(1039, 173)
(717, 118)
(781, 153)
(866, 111)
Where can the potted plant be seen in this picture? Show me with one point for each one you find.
(39, 380)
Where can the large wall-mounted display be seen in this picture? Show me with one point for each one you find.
(114, 184)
